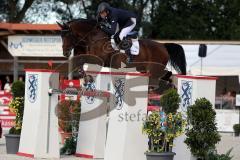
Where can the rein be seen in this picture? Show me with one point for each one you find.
(76, 41)
(83, 39)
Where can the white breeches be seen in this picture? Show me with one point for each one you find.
(128, 29)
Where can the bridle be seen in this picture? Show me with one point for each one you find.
(76, 41)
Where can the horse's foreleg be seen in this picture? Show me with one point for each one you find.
(118, 60)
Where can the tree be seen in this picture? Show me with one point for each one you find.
(14, 10)
(173, 19)
(67, 10)
(137, 6)
(38, 11)
(202, 134)
(192, 19)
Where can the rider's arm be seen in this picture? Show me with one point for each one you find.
(112, 28)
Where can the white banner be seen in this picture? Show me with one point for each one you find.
(35, 46)
(238, 100)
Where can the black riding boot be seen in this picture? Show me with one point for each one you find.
(130, 56)
(126, 44)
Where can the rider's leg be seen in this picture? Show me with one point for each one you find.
(129, 27)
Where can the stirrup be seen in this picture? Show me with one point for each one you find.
(129, 56)
(125, 44)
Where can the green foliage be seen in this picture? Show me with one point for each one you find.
(202, 135)
(195, 20)
(162, 129)
(204, 20)
(170, 101)
(14, 11)
(17, 106)
(69, 146)
(14, 130)
(69, 115)
(215, 156)
(18, 89)
(236, 128)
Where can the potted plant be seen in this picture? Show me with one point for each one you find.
(69, 147)
(202, 134)
(68, 118)
(236, 128)
(163, 127)
(16, 106)
(213, 155)
(75, 111)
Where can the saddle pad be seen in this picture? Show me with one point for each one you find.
(134, 49)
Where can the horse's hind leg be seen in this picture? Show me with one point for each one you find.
(156, 70)
(167, 76)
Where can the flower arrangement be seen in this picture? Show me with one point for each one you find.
(17, 106)
(162, 129)
(164, 126)
(69, 115)
(68, 120)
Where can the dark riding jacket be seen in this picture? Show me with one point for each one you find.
(120, 17)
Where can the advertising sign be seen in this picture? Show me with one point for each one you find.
(35, 46)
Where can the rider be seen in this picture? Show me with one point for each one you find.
(111, 17)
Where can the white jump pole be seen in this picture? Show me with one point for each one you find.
(191, 88)
(92, 127)
(124, 139)
(39, 136)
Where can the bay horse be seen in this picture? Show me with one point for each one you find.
(86, 38)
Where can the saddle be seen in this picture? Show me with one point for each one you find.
(129, 45)
(133, 35)
(127, 41)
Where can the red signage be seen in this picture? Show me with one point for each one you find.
(5, 98)
(6, 117)
(7, 123)
(69, 84)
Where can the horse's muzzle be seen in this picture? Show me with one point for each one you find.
(67, 53)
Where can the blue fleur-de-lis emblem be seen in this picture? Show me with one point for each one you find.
(16, 45)
(90, 86)
(119, 92)
(32, 87)
(186, 94)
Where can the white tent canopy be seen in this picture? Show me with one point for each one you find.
(221, 60)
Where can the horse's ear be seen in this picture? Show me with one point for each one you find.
(65, 25)
(60, 25)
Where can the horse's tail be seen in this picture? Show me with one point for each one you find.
(177, 57)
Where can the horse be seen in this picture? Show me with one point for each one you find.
(86, 38)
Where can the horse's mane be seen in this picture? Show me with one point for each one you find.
(86, 24)
(92, 22)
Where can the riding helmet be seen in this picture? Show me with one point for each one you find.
(102, 7)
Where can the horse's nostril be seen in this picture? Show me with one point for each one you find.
(67, 53)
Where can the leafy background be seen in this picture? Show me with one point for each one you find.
(159, 19)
